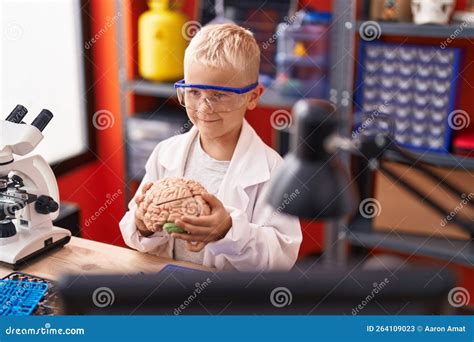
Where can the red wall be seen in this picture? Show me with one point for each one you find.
(90, 185)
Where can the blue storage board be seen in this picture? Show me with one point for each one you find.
(428, 74)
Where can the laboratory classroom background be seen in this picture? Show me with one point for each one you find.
(237, 170)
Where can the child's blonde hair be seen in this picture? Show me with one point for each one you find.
(223, 46)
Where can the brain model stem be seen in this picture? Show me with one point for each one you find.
(171, 227)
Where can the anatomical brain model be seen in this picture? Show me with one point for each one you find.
(171, 198)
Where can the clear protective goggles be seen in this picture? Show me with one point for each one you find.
(218, 99)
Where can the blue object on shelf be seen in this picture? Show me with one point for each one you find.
(412, 89)
(315, 17)
(20, 298)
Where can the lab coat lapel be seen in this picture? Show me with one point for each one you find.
(249, 166)
(173, 157)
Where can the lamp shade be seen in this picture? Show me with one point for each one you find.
(312, 182)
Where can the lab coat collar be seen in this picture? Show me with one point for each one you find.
(249, 165)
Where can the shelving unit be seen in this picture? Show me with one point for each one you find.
(143, 87)
(436, 159)
(360, 232)
(461, 251)
(413, 30)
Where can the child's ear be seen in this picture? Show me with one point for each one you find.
(254, 96)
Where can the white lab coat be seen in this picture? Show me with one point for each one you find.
(260, 238)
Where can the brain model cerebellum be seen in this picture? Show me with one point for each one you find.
(171, 198)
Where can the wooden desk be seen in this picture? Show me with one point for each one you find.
(89, 257)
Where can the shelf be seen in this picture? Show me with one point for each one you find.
(271, 98)
(141, 87)
(460, 251)
(318, 62)
(413, 30)
(437, 159)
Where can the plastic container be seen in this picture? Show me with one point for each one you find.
(161, 42)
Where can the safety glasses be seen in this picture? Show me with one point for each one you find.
(208, 97)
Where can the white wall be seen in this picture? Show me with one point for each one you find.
(41, 67)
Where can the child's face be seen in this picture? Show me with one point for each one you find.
(209, 122)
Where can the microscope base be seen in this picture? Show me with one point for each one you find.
(26, 245)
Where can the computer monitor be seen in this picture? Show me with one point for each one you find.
(303, 291)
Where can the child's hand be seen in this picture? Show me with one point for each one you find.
(139, 211)
(205, 229)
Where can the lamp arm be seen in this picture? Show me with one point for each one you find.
(337, 142)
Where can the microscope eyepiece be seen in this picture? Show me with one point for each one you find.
(17, 114)
(42, 120)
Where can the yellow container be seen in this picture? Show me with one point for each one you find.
(161, 42)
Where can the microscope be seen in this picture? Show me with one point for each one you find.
(29, 195)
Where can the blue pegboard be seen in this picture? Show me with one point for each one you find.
(407, 90)
(20, 298)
